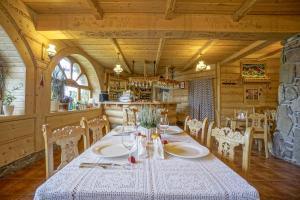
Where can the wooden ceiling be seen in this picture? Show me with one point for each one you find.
(173, 33)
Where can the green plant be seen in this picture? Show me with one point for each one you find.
(149, 117)
(3, 76)
(9, 97)
(57, 85)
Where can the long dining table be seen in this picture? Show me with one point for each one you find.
(172, 178)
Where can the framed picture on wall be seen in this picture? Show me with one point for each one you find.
(252, 94)
(253, 70)
(182, 85)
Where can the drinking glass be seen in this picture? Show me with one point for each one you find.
(163, 124)
(128, 142)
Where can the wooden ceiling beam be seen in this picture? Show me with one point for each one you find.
(158, 54)
(270, 54)
(99, 11)
(255, 46)
(199, 54)
(243, 10)
(122, 57)
(170, 8)
(126, 25)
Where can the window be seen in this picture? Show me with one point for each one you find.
(69, 80)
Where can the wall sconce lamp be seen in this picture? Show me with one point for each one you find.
(51, 50)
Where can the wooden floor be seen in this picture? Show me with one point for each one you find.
(273, 178)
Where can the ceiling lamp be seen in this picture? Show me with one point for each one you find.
(201, 66)
(118, 69)
(51, 50)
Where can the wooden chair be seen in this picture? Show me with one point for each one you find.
(130, 116)
(164, 112)
(231, 123)
(67, 138)
(209, 131)
(272, 118)
(259, 123)
(96, 126)
(229, 139)
(194, 126)
(240, 114)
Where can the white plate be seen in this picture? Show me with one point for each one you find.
(173, 130)
(186, 150)
(111, 150)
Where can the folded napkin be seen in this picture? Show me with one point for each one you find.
(142, 146)
(158, 149)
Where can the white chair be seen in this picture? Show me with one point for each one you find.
(209, 131)
(130, 116)
(67, 138)
(194, 126)
(259, 123)
(96, 126)
(228, 139)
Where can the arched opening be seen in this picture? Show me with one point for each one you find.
(12, 77)
(73, 78)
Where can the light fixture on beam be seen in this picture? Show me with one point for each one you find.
(118, 69)
(51, 50)
(201, 66)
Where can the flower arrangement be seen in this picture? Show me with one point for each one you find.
(57, 85)
(3, 76)
(9, 97)
(66, 99)
(149, 117)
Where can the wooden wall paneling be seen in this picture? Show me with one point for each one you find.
(232, 96)
(17, 22)
(57, 120)
(16, 139)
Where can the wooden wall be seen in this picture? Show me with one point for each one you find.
(21, 135)
(232, 96)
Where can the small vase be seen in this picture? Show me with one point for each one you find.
(147, 132)
(8, 110)
(54, 106)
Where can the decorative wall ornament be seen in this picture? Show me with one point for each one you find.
(253, 70)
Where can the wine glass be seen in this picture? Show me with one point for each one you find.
(128, 143)
(163, 124)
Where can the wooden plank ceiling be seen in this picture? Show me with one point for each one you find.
(173, 33)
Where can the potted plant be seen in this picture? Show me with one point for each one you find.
(8, 98)
(57, 90)
(3, 75)
(149, 118)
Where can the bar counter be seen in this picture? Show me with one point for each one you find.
(116, 114)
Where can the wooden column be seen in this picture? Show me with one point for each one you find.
(218, 106)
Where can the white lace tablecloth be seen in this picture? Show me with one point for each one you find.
(170, 179)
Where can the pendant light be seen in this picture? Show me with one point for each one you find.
(201, 66)
(118, 69)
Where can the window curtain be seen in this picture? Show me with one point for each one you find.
(201, 99)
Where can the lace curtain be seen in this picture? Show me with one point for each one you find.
(201, 99)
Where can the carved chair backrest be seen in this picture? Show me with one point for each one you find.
(194, 126)
(258, 121)
(271, 114)
(96, 126)
(228, 139)
(67, 138)
(231, 123)
(209, 131)
(131, 116)
(164, 112)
